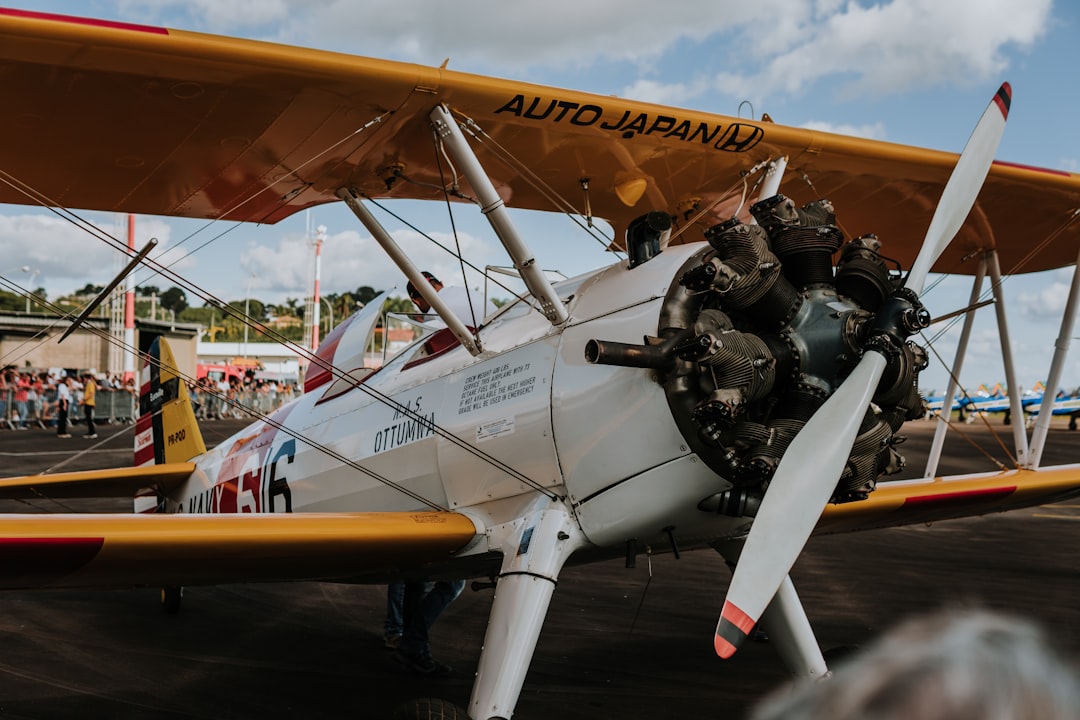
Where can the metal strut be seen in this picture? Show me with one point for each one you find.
(415, 276)
(497, 215)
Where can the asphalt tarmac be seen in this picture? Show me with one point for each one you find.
(618, 643)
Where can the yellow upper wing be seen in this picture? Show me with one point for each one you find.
(141, 119)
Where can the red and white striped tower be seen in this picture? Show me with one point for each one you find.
(129, 309)
(320, 235)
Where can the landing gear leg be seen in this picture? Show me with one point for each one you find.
(786, 624)
(534, 550)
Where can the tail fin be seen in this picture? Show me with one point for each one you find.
(166, 430)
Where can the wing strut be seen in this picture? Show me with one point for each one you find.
(406, 266)
(105, 293)
(493, 208)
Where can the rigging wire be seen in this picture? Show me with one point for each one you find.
(440, 153)
(557, 200)
(236, 314)
(946, 417)
(258, 326)
(524, 297)
(268, 419)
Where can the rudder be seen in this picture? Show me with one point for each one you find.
(166, 430)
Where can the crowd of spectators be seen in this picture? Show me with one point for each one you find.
(28, 398)
(239, 397)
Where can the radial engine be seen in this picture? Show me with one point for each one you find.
(760, 328)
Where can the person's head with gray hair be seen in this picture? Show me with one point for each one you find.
(954, 665)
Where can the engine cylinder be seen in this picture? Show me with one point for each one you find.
(803, 239)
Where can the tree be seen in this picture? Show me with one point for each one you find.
(365, 294)
(399, 305)
(174, 299)
(343, 306)
(11, 301)
(147, 290)
(255, 308)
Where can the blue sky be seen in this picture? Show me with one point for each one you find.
(911, 71)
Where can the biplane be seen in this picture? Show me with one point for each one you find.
(737, 380)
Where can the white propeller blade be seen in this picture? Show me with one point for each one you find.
(811, 466)
(963, 187)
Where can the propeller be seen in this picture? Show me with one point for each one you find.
(807, 474)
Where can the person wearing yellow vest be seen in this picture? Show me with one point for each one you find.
(88, 401)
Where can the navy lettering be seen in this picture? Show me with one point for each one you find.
(738, 137)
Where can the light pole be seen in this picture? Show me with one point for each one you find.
(330, 316)
(31, 274)
(247, 317)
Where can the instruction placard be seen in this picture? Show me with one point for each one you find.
(493, 386)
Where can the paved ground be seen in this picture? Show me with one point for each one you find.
(617, 644)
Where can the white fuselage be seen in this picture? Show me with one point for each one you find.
(600, 436)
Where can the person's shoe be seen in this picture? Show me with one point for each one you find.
(391, 642)
(90, 436)
(421, 664)
(64, 435)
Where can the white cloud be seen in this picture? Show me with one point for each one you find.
(747, 50)
(67, 257)
(874, 131)
(891, 47)
(663, 93)
(350, 260)
(1046, 299)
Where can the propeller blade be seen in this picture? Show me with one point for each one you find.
(808, 472)
(792, 506)
(963, 187)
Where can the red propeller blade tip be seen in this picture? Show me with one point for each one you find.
(734, 627)
(1004, 99)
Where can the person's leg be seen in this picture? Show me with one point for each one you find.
(61, 421)
(438, 599)
(414, 639)
(414, 653)
(422, 609)
(394, 625)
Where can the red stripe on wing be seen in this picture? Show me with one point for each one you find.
(962, 496)
(56, 17)
(34, 560)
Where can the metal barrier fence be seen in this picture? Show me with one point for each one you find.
(239, 403)
(112, 406)
(109, 406)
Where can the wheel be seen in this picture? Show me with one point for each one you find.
(429, 709)
(171, 597)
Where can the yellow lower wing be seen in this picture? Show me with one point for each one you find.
(908, 502)
(55, 551)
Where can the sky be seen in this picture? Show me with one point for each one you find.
(917, 72)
